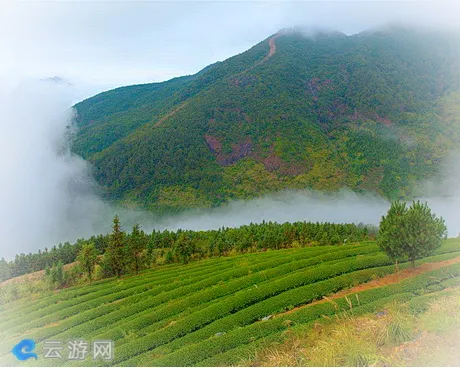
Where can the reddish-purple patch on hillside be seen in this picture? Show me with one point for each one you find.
(383, 120)
(338, 108)
(357, 116)
(273, 162)
(245, 148)
(213, 143)
(376, 117)
(243, 81)
(239, 150)
(292, 169)
(316, 85)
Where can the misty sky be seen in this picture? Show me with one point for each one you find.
(98, 45)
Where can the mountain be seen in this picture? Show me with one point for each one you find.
(375, 111)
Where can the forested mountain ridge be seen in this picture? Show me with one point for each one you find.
(373, 111)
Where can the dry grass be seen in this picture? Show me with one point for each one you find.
(393, 337)
(31, 277)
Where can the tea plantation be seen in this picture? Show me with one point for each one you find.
(213, 312)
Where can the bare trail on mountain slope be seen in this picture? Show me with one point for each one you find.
(272, 44)
(382, 281)
(272, 50)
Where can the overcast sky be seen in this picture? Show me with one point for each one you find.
(98, 45)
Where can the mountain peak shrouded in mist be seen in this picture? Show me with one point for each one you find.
(311, 32)
(58, 80)
(305, 108)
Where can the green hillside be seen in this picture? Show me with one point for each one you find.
(374, 111)
(212, 312)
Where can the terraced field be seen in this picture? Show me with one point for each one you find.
(212, 312)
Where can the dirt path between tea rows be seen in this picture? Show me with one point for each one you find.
(382, 281)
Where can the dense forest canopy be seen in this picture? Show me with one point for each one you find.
(370, 112)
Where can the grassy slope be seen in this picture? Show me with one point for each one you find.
(170, 315)
(369, 112)
(397, 335)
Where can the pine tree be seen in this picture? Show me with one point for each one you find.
(136, 246)
(87, 257)
(116, 251)
(59, 273)
(410, 233)
(184, 248)
(55, 275)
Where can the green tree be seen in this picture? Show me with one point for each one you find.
(169, 258)
(5, 272)
(115, 255)
(136, 245)
(184, 248)
(410, 232)
(55, 275)
(87, 257)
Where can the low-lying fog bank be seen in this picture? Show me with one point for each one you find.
(48, 195)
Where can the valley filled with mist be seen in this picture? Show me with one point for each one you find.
(230, 183)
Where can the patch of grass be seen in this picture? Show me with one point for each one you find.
(443, 315)
(394, 336)
(398, 325)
